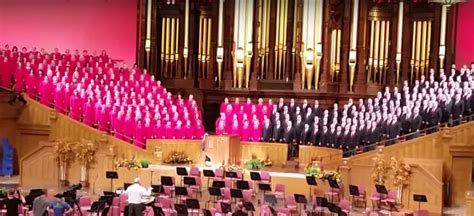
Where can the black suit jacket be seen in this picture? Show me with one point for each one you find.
(267, 133)
(289, 135)
(277, 133)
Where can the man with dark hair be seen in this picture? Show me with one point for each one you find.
(277, 131)
(266, 131)
(59, 206)
(13, 202)
(289, 138)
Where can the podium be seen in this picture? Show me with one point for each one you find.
(223, 149)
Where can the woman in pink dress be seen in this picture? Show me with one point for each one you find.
(178, 131)
(129, 127)
(245, 131)
(220, 128)
(248, 106)
(235, 129)
(20, 76)
(59, 98)
(75, 106)
(256, 131)
(89, 112)
(169, 131)
(224, 105)
(6, 73)
(198, 131)
(188, 130)
(31, 88)
(158, 131)
(139, 137)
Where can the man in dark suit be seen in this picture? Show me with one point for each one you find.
(323, 141)
(305, 136)
(317, 110)
(394, 129)
(458, 109)
(415, 124)
(315, 135)
(266, 131)
(289, 138)
(434, 117)
(373, 137)
(277, 132)
(299, 125)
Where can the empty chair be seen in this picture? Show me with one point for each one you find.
(167, 206)
(279, 191)
(194, 171)
(225, 195)
(246, 195)
(291, 204)
(284, 212)
(332, 193)
(265, 176)
(85, 201)
(197, 187)
(422, 212)
(345, 205)
(375, 199)
(228, 183)
(123, 201)
(361, 198)
(166, 193)
(219, 174)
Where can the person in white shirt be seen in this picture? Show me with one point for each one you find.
(136, 193)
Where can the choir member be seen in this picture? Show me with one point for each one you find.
(458, 109)
(139, 137)
(305, 137)
(289, 138)
(434, 117)
(235, 128)
(245, 131)
(277, 131)
(256, 131)
(323, 141)
(178, 131)
(315, 137)
(169, 131)
(267, 131)
(158, 132)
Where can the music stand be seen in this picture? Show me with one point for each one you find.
(209, 174)
(270, 199)
(354, 192)
(264, 187)
(334, 185)
(231, 175)
(180, 191)
(111, 175)
(126, 185)
(97, 207)
(189, 181)
(419, 198)
(249, 206)
(322, 201)
(181, 209)
(109, 193)
(255, 176)
(301, 200)
(157, 189)
(214, 192)
(311, 181)
(218, 184)
(166, 180)
(181, 171)
(226, 208)
(243, 185)
(236, 194)
(193, 204)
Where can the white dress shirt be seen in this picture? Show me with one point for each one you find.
(136, 193)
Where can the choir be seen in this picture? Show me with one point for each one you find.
(442, 99)
(94, 89)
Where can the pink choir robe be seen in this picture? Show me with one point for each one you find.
(198, 132)
(248, 108)
(148, 131)
(256, 133)
(179, 132)
(169, 132)
(245, 134)
(46, 93)
(59, 100)
(31, 86)
(66, 99)
(188, 132)
(89, 114)
(220, 130)
(235, 107)
(20, 75)
(97, 111)
(117, 127)
(129, 129)
(140, 136)
(104, 120)
(6, 73)
(223, 106)
(76, 108)
(235, 130)
(158, 132)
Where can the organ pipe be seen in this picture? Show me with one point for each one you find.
(220, 48)
(186, 32)
(371, 50)
(243, 27)
(442, 36)
(353, 44)
(398, 57)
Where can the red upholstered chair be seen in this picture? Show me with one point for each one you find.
(197, 187)
(345, 205)
(279, 191)
(219, 174)
(291, 204)
(265, 176)
(194, 171)
(422, 212)
(375, 199)
(225, 196)
(284, 212)
(123, 201)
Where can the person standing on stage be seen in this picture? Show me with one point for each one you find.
(136, 193)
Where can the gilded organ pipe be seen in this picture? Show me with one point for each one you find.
(387, 42)
(208, 51)
(423, 47)
(170, 72)
(428, 46)
(413, 51)
(376, 50)
(371, 51)
(163, 42)
(381, 51)
(176, 49)
(418, 50)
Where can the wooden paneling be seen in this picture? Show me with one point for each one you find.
(192, 148)
(39, 168)
(328, 156)
(276, 152)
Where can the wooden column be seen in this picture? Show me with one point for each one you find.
(360, 80)
(344, 73)
(325, 64)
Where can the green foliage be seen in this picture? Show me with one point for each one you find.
(145, 163)
(253, 164)
(313, 171)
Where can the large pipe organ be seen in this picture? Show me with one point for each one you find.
(319, 46)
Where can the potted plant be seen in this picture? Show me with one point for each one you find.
(85, 153)
(178, 158)
(64, 156)
(3, 192)
(254, 163)
(145, 163)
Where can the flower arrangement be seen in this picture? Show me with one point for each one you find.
(145, 163)
(253, 164)
(401, 172)
(232, 168)
(85, 151)
(64, 151)
(331, 175)
(178, 158)
(129, 163)
(318, 173)
(379, 173)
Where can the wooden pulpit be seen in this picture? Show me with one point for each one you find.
(223, 149)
